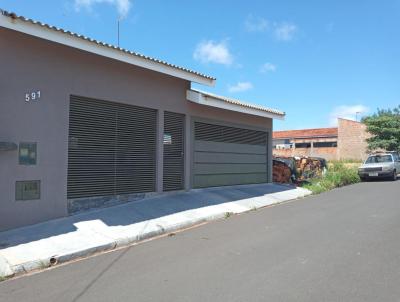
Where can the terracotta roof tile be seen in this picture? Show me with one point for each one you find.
(306, 133)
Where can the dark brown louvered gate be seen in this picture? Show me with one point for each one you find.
(111, 150)
(174, 133)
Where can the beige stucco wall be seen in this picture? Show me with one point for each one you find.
(30, 64)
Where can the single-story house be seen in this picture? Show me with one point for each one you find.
(84, 124)
(346, 141)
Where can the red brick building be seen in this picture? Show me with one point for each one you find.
(346, 141)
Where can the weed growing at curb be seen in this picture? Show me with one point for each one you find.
(42, 265)
(3, 279)
(338, 175)
(346, 161)
(228, 214)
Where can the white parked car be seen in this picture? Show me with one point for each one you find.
(380, 165)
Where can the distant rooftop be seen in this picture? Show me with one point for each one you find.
(306, 133)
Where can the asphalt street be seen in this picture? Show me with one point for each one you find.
(343, 245)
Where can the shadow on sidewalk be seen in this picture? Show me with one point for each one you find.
(139, 211)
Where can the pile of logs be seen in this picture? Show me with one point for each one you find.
(281, 172)
(297, 169)
(309, 167)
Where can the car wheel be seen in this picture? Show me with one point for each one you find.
(394, 176)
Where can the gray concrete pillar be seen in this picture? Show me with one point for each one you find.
(293, 147)
(312, 148)
(269, 159)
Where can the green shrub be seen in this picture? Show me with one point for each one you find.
(2, 279)
(347, 161)
(338, 175)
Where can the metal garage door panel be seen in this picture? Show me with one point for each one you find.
(136, 149)
(212, 157)
(222, 147)
(230, 168)
(228, 156)
(173, 163)
(227, 134)
(204, 181)
(111, 149)
(91, 158)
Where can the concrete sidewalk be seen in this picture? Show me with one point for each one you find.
(60, 240)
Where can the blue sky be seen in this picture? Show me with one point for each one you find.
(315, 60)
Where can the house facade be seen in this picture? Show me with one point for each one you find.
(346, 141)
(84, 124)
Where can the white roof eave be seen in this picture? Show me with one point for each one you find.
(207, 100)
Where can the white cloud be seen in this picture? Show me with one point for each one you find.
(347, 112)
(123, 6)
(213, 52)
(285, 31)
(240, 87)
(267, 67)
(256, 24)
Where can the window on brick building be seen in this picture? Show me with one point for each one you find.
(325, 144)
(303, 145)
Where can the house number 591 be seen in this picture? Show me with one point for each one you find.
(32, 96)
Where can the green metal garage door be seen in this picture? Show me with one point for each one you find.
(226, 155)
(112, 148)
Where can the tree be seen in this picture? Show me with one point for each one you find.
(384, 127)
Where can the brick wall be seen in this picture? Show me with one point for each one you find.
(282, 152)
(328, 153)
(352, 140)
(351, 143)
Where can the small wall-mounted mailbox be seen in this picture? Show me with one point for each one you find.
(8, 146)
